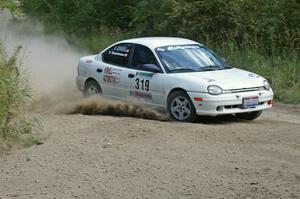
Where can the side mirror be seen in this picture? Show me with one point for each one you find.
(151, 68)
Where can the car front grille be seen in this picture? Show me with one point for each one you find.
(239, 90)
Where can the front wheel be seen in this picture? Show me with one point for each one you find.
(92, 88)
(249, 116)
(181, 108)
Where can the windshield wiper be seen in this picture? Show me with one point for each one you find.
(222, 67)
(182, 70)
(214, 67)
(207, 68)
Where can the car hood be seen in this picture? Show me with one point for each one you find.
(227, 79)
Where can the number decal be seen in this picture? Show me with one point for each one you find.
(147, 85)
(137, 83)
(143, 84)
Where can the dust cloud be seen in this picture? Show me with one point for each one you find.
(49, 63)
(97, 105)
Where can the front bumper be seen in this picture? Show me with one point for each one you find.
(80, 80)
(229, 103)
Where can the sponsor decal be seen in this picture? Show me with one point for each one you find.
(140, 94)
(161, 49)
(120, 51)
(251, 75)
(170, 48)
(111, 75)
(111, 79)
(144, 74)
(108, 70)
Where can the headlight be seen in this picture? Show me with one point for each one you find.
(214, 90)
(267, 85)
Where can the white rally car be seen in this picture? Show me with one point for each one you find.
(181, 75)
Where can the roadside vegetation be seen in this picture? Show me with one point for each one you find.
(14, 93)
(261, 36)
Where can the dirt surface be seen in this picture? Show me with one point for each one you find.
(122, 157)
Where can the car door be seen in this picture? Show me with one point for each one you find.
(115, 61)
(141, 85)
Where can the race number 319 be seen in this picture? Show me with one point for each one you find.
(142, 84)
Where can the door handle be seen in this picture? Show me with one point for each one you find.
(99, 70)
(131, 75)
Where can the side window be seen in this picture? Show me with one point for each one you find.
(118, 54)
(142, 55)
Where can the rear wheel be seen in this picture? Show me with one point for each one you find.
(181, 108)
(249, 116)
(92, 88)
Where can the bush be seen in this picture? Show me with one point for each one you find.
(13, 94)
(265, 24)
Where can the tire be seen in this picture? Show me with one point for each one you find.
(181, 108)
(92, 88)
(249, 116)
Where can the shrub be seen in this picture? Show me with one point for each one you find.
(13, 94)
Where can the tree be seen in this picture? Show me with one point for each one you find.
(12, 6)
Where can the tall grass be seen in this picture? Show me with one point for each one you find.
(13, 94)
(281, 69)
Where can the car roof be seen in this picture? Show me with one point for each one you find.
(154, 42)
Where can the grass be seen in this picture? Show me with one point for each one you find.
(13, 96)
(281, 69)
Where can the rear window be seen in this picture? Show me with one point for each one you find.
(118, 54)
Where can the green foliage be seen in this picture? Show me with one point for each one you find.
(267, 25)
(260, 24)
(151, 17)
(82, 16)
(12, 6)
(96, 43)
(13, 94)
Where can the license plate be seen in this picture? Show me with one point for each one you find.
(250, 102)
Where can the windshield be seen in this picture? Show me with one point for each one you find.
(190, 58)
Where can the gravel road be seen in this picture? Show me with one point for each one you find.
(122, 157)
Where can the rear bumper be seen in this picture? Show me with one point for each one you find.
(229, 103)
